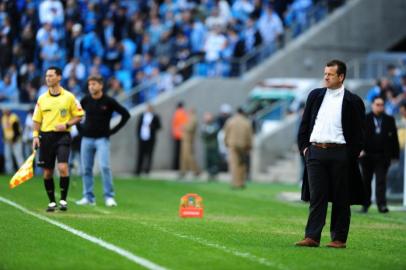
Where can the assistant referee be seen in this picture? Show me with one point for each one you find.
(55, 112)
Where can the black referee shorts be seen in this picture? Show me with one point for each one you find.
(53, 145)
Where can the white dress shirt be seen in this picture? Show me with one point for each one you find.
(146, 126)
(328, 126)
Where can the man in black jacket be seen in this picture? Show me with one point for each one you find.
(331, 137)
(147, 127)
(381, 145)
(95, 133)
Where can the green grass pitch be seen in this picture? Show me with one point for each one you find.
(248, 229)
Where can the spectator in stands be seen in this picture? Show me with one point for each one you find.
(99, 68)
(214, 45)
(235, 49)
(271, 28)
(297, 16)
(45, 33)
(6, 58)
(51, 54)
(148, 125)
(11, 126)
(197, 37)
(179, 120)
(115, 89)
(238, 139)
(253, 39)
(8, 88)
(74, 69)
(216, 20)
(113, 53)
(83, 29)
(51, 11)
(75, 87)
(394, 77)
(381, 146)
(241, 9)
(28, 45)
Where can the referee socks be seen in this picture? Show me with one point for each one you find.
(50, 189)
(64, 185)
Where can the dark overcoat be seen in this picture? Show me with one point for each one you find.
(353, 124)
(389, 133)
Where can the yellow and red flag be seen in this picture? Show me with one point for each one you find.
(25, 173)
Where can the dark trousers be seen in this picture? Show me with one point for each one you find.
(176, 154)
(378, 165)
(328, 180)
(145, 152)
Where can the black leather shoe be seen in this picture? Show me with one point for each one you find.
(383, 209)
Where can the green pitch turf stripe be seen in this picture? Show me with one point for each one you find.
(204, 242)
(126, 254)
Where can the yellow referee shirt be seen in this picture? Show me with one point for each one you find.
(53, 110)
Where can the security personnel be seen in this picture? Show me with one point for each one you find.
(381, 146)
(55, 112)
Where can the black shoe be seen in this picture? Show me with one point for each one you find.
(51, 207)
(63, 205)
(364, 210)
(383, 209)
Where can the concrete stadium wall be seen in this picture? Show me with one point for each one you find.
(201, 94)
(351, 32)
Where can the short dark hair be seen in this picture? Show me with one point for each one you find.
(378, 97)
(341, 66)
(57, 70)
(96, 78)
(180, 104)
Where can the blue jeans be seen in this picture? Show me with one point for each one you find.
(89, 147)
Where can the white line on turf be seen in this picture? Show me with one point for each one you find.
(122, 252)
(228, 250)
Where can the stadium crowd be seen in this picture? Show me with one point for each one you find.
(391, 87)
(131, 43)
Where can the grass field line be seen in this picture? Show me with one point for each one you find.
(204, 242)
(94, 207)
(120, 251)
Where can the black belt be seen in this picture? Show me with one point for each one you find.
(328, 145)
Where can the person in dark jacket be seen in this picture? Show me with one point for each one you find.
(331, 137)
(381, 146)
(95, 132)
(148, 125)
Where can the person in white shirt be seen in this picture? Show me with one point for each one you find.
(331, 137)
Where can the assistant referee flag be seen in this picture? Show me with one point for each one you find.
(25, 173)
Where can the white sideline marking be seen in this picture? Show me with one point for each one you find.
(228, 250)
(126, 254)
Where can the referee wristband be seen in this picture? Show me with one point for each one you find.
(35, 133)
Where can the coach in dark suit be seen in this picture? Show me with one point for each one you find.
(381, 145)
(147, 127)
(331, 137)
